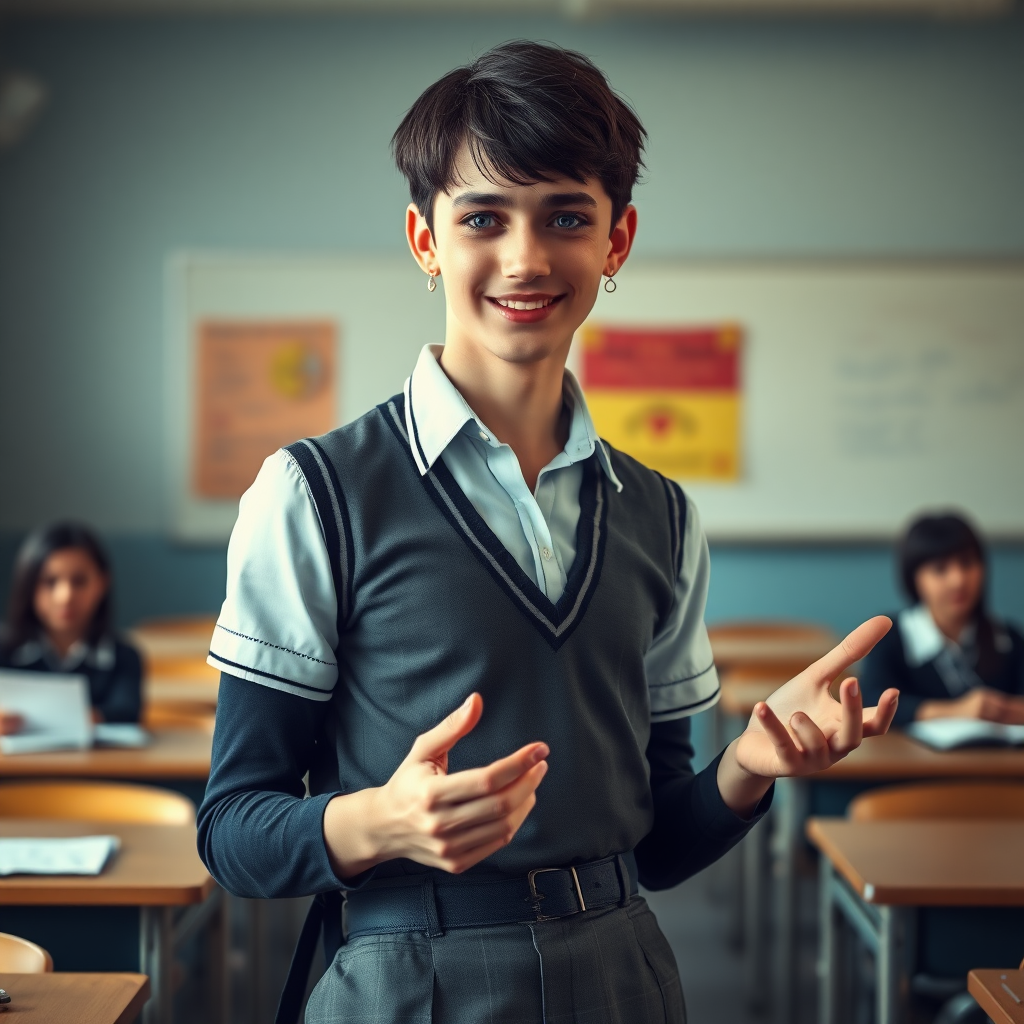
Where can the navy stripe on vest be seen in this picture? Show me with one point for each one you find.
(555, 622)
(326, 493)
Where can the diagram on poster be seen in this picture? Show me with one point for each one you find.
(259, 386)
(670, 397)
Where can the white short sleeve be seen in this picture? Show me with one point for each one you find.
(680, 667)
(278, 625)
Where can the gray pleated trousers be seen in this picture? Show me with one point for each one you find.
(610, 966)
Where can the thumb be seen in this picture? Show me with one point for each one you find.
(436, 742)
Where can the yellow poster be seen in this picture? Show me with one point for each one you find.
(670, 397)
(259, 386)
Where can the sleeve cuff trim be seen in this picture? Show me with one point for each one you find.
(686, 710)
(685, 679)
(258, 676)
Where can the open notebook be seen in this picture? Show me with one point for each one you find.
(952, 733)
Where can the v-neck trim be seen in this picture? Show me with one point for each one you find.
(554, 621)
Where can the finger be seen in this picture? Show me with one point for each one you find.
(491, 808)
(487, 832)
(851, 726)
(878, 719)
(470, 855)
(438, 741)
(783, 742)
(492, 778)
(853, 647)
(808, 735)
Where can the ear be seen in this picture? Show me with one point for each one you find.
(421, 241)
(621, 241)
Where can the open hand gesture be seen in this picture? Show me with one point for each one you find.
(801, 728)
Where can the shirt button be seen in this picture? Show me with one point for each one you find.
(484, 437)
(546, 554)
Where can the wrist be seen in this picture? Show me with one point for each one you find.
(350, 835)
(741, 789)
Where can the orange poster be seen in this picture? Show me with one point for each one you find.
(670, 397)
(260, 385)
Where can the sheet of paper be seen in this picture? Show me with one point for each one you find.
(77, 855)
(950, 733)
(120, 734)
(55, 710)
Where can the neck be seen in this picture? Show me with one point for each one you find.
(950, 626)
(62, 640)
(520, 402)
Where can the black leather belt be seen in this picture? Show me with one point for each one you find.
(433, 903)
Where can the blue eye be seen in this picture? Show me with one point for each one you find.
(568, 221)
(480, 221)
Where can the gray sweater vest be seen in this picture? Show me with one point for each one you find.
(432, 607)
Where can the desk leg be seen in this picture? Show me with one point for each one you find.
(895, 934)
(831, 959)
(755, 947)
(789, 814)
(155, 959)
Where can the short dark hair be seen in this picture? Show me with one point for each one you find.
(527, 110)
(22, 622)
(931, 537)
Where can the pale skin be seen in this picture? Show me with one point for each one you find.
(68, 592)
(950, 588)
(550, 243)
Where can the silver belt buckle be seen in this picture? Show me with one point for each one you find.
(535, 897)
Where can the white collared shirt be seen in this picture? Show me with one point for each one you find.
(278, 624)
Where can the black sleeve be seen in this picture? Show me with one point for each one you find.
(886, 667)
(121, 697)
(693, 827)
(257, 835)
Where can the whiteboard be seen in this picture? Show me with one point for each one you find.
(870, 391)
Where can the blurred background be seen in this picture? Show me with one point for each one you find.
(136, 132)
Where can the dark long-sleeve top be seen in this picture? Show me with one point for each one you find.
(259, 837)
(113, 670)
(900, 660)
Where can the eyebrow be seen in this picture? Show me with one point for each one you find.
(504, 201)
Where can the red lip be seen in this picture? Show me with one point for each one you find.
(525, 316)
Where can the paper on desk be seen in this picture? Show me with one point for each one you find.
(79, 855)
(55, 709)
(952, 733)
(120, 734)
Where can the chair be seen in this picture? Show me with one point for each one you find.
(940, 800)
(96, 801)
(948, 800)
(793, 644)
(19, 956)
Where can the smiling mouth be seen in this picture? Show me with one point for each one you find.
(527, 303)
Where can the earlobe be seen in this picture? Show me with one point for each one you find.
(621, 241)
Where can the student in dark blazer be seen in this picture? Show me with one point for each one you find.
(60, 620)
(948, 656)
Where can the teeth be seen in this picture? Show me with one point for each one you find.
(518, 304)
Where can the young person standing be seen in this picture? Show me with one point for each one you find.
(480, 629)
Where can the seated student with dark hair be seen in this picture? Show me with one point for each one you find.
(59, 620)
(948, 656)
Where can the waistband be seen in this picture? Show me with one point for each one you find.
(430, 904)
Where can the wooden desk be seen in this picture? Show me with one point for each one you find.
(156, 870)
(173, 754)
(890, 758)
(75, 998)
(989, 988)
(874, 873)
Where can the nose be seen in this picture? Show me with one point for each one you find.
(63, 592)
(524, 256)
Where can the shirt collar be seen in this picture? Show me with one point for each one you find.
(102, 656)
(435, 412)
(923, 641)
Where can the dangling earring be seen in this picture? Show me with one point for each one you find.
(610, 285)
(432, 282)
